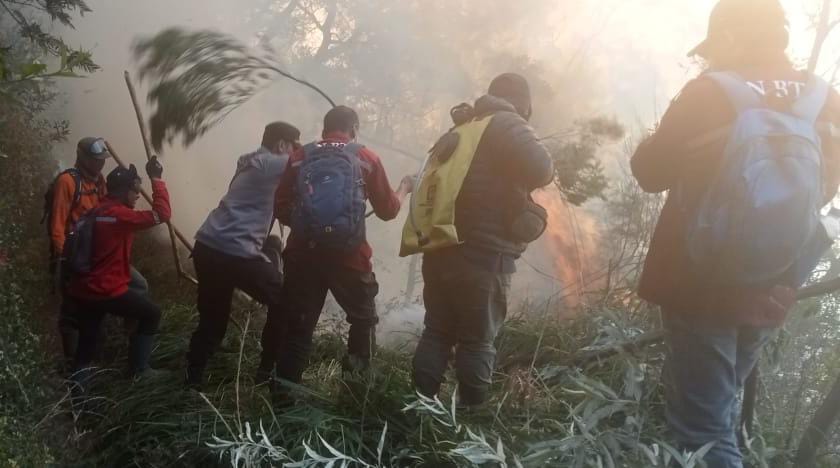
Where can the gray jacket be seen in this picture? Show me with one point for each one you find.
(241, 222)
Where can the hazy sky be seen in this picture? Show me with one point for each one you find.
(635, 47)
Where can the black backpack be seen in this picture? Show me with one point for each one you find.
(49, 196)
(78, 245)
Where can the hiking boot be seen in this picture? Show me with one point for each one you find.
(355, 364)
(69, 343)
(139, 352)
(152, 374)
(194, 377)
(80, 383)
(264, 371)
(281, 397)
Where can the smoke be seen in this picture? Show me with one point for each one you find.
(403, 65)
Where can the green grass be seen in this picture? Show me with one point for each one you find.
(541, 412)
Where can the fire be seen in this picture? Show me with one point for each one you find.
(572, 239)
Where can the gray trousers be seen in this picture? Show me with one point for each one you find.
(705, 368)
(465, 309)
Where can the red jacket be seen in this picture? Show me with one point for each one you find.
(385, 203)
(112, 237)
(662, 161)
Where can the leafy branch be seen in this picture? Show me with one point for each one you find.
(578, 173)
(200, 77)
(72, 61)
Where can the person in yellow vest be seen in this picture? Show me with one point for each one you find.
(480, 175)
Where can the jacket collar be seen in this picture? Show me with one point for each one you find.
(487, 104)
(343, 137)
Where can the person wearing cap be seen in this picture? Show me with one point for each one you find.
(312, 271)
(712, 335)
(71, 199)
(466, 287)
(105, 289)
(229, 250)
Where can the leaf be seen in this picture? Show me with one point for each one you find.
(28, 70)
(700, 453)
(381, 445)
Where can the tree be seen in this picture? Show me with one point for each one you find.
(578, 172)
(14, 68)
(402, 65)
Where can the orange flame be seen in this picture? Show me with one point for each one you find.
(572, 238)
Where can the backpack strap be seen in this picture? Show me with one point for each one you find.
(740, 94)
(356, 149)
(77, 179)
(812, 101)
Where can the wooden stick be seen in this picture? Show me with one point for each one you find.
(144, 135)
(148, 198)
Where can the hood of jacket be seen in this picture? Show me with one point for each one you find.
(487, 104)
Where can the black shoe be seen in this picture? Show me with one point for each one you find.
(264, 371)
(139, 352)
(355, 364)
(80, 382)
(194, 377)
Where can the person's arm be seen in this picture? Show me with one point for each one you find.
(138, 220)
(385, 201)
(660, 158)
(284, 196)
(525, 159)
(65, 188)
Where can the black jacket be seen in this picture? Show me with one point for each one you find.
(509, 163)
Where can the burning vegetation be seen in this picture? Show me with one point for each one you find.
(579, 368)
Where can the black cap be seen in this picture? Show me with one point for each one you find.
(275, 132)
(514, 89)
(757, 22)
(121, 179)
(93, 147)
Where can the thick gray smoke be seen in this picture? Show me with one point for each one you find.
(618, 57)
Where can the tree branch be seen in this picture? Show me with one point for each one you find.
(823, 28)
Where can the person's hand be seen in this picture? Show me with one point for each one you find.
(153, 168)
(407, 184)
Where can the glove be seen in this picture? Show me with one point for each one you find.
(154, 169)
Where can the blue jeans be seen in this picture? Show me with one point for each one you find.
(705, 369)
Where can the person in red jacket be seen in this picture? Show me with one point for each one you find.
(714, 333)
(310, 272)
(105, 289)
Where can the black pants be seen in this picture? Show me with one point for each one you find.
(466, 306)
(218, 275)
(89, 314)
(67, 322)
(304, 294)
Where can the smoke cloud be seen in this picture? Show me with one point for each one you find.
(584, 58)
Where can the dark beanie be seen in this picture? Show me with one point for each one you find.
(275, 132)
(120, 180)
(514, 89)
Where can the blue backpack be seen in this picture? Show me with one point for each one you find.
(329, 210)
(760, 217)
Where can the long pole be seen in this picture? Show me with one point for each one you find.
(148, 199)
(148, 147)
